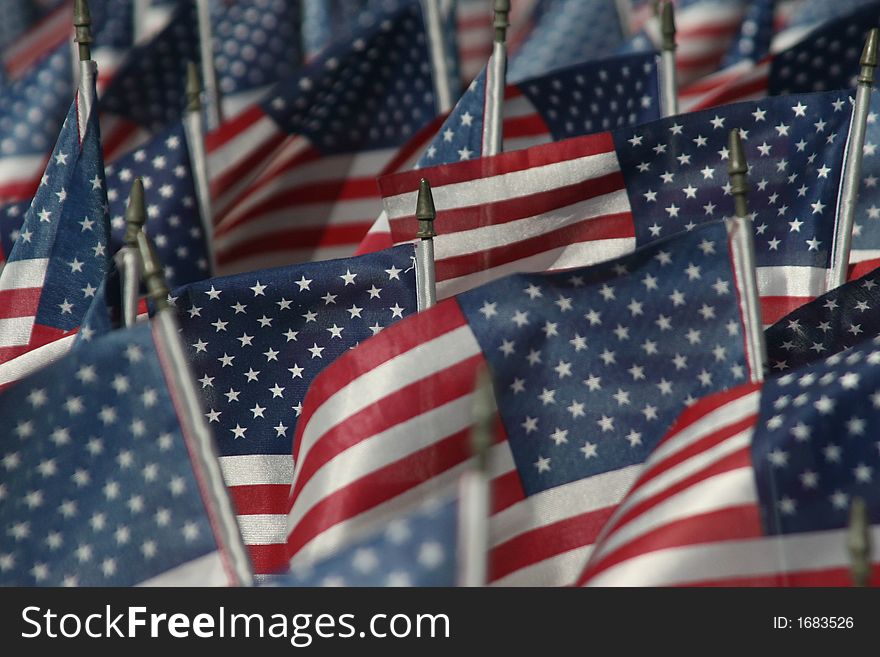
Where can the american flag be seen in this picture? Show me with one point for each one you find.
(753, 487)
(417, 548)
(566, 32)
(61, 254)
(293, 179)
(705, 30)
(843, 318)
(11, 218)
(99, 488)
(755, 34)
(38, 41)
(322, 20)
(19, 15)
(865, 253)
(588, 367)
(623, 90)
(32, 110)
(173, 220)
(826, 58)
(574, 202)
(256, 342)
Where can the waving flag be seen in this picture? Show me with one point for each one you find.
(416, 549)
(11, 218)
(293, 179)
(843, 318)
(865, 253)
(826, 58)
(61, 254)
(753, 488)
(623, 91)
(100, 488)
(584, 200)
(588, 367)
(256, 342)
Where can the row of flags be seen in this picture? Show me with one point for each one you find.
(307, 403)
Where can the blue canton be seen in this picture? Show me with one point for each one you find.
(567, 32)
(257, 340)
(172, 210)
(842, 318)
(815, 12)
(815, 445)
(11, 217)
(415, 549)
(325, 19)
(97, 484)
(591, 366)
(67, 223)
(866, 230)
(676, 172)
(461, 135)
(755, 34)
(372, 92)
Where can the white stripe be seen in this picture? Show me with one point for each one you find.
(580, 254)
(256, 469)
(558, 570)
(227, 155)
(381, 450)
(516, 184)
(35, 359)
(21, 168)
(791, 281)
(235, 104)
(233, 265)
(518, 107)
(520, 143)
(24, 274)
(860, 255)
(16, 331)
(263, 529)
(418, 363)
(547, 507)
(721, 491)
(752, 557)
(205, 571)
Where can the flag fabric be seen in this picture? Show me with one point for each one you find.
(582, 397)
(38, 41)
(753, 487)
(293, 179)
(624, 91)
(566, 32)
(755, 34)
(32, 110)
(99, 488)
(19, 15)
(865, 254)
(61, 254)
(825, 58)
(173, 219)
(11, 217)
(256, 341)
(322, 19)
(418, 548)
(840, 319)
(583, 200)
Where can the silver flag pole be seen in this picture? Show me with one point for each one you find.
(426, 291)
(668, 74)
(128, 258)
(195, 137)
(496, 76)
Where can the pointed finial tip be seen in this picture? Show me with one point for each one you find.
(135, 213)
(484, 414)
(859, 541)
(152, 272)
(737, 162)
(501, 21)
(193, 88)
(82, 23)
(869, 54)
(667, 17)
(425, 211)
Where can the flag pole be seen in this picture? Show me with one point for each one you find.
(128, 259)
(425, 213)
(669, 92)
(742, 246)
(140, 11)
(187, 403)
(496, 76)
(852, 166)
(82, 23)
(624, 15)
(859, 542)
(213, 112)
(474, 493)
(194, 127)
(439, 56)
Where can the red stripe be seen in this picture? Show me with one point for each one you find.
(707, 405)
(859, 269)
(529, 125)
(737, 460)
(380, 486)
(708, 30)
(389, 343)
(269, 559)
(259, 499)
(116, 139)
(20, 190)
(613, 226)
(507, 490)
(403, 404)
(841, 576)
(731, 524)
(232, 128)
(293, 239)
(21, 302)
(736, 92)
(501, 212)
(374, 241)
(775, 308)
(536, 545)
(25, 54)
(485, 167)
